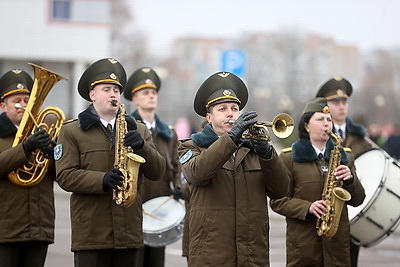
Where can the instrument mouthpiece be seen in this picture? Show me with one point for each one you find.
(114, 103)
(231, 121)
(18, 106)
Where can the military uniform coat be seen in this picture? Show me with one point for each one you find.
(303, 246)
(87, 154)
(228, 223)
(356, 138)
(166, 141)
(26, 213)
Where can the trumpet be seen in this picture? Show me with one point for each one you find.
(282, 126)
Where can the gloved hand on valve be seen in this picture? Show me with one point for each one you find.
(112, 179)
(134, 140)
(40, 139)
(262, 148)
(245, 120)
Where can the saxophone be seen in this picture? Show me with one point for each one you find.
(333, 194)
(126, 161)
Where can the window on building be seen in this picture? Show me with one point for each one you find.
(94, 11)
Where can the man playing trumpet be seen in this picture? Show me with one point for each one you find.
(229, 179)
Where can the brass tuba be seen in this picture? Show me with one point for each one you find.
(32, 173)
(333, 194)
(126, 161)
(282, 126)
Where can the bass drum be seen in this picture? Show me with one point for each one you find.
(379, 215)
(163, 219)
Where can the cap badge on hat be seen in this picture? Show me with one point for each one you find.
(148, 81)
(20, 86)
(113, 76)
(146, 70)
(113, 61)
(340, 93)
(17, 71)
(224, 74)
(325, 109)
(226, 93)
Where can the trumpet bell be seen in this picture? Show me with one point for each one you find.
(283, 125)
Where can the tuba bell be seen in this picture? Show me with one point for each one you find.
(32, 173)
(282, 126)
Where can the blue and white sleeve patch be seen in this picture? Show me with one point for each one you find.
(186, 156)
(58, 152)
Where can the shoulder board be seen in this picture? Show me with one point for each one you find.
(69, 121)
(288, 149)
(347, 149)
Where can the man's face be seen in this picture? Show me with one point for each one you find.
(220, 115)
(146, 99)
(338, 110)
(102, 96)
(8, 106)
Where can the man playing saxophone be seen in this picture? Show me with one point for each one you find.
(308, 165)
(26, 213)
(102, 231)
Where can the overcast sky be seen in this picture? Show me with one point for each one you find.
(368, 24)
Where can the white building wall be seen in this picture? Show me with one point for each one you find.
(29, 35)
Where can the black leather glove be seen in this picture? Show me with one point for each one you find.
(177, 193)
(262, 148)
(241, 124)
(134, 140)
(39, 139)
(48, 152)
(112, 179)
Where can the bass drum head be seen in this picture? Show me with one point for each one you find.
(371, 167)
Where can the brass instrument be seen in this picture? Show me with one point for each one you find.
(333, 194)
(282, 126)
(126, 161)
(32, 173)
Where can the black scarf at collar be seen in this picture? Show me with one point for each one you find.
(303, 151)
(7, 127)
(162, 128)
(89, 118)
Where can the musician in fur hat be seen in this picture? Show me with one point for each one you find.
(26, 212)
(229, 179)
(307, 164)
(104, 231)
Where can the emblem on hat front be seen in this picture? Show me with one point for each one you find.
(146, 70)
(113, 76)
(224, 74)
(20, 86)
(148, 81)
(113, 61)
(17, 71)
(325, 109)
(340, 92)
(226, 93)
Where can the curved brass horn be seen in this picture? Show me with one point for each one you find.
(33, 172)
(282, 126)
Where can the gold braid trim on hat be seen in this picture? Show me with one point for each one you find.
(14, 91)
(152, 85)
(105, 81)
(222, 97)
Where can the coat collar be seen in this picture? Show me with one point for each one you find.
(7, 126)
(355, 128)
(89, 118)
(162, 128)
(303, 151)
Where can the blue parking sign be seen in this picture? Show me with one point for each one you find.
(233, 61)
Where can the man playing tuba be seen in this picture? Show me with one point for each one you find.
(26, 213)
(102, 231)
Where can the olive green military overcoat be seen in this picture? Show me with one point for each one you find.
(26, 213)
(86, 155)
(229, 223)
(303, 246)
